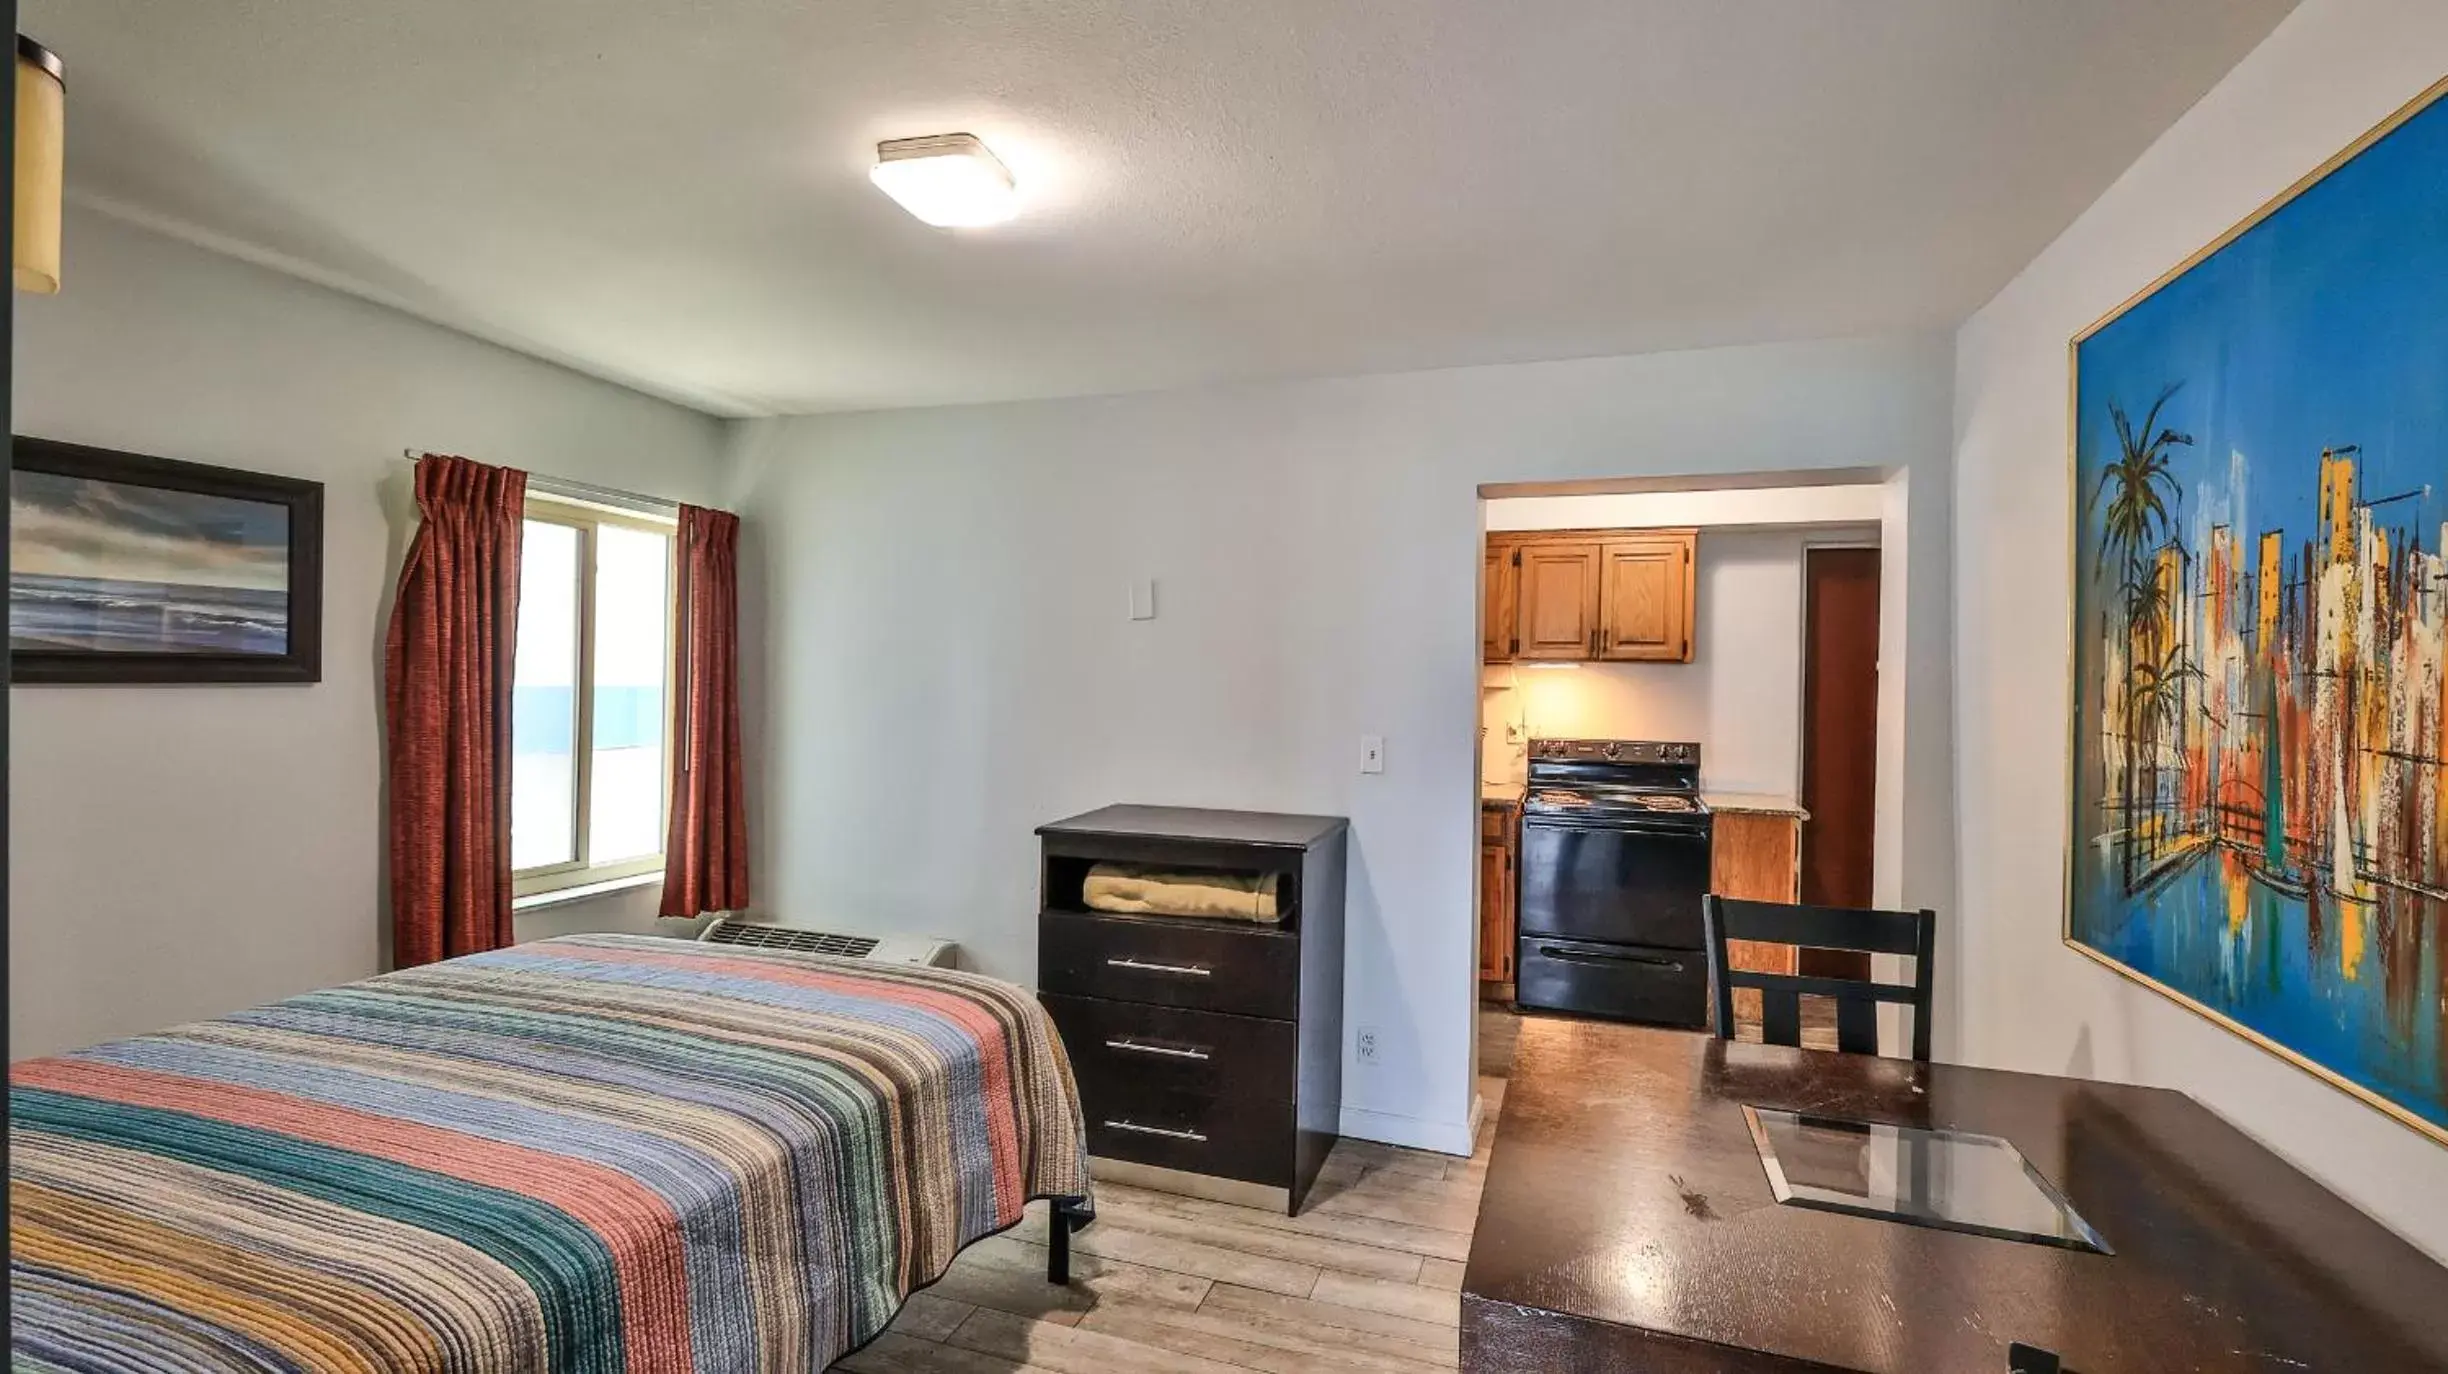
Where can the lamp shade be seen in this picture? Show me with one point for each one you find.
(42, 108)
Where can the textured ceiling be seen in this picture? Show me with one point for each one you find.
(672, 193)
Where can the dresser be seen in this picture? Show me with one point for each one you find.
(1208, 1052)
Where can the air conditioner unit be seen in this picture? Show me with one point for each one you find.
(890, 949)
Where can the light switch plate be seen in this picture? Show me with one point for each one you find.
(1143, 598)
(1372, 753)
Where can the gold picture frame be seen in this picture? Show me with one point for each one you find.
(2076, 720)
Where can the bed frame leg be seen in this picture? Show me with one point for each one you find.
(1061, 1220)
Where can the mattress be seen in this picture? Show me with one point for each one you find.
(598, 1153)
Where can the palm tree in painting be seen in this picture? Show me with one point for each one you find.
(2158, 698)
(2135, 503)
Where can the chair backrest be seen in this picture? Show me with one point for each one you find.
(1822, 927)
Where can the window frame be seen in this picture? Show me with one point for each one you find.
(587, 518)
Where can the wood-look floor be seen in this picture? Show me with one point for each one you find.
(1366, 1280)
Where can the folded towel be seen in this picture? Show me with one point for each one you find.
(1134, 890)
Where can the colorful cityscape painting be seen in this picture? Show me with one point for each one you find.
(2260, 807)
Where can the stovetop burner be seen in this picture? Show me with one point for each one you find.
(1563, 799)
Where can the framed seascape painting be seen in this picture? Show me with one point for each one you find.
(2260, 455)
(125, 568)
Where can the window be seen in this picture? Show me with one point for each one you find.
(590, 697)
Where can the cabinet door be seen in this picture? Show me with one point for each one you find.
(1497, 639)
(1752, 856)
(1507, 926)
(1495, 888)
(1646, 600)
(1559, 601)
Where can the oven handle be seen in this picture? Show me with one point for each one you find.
(1563, 955)
(1671, 829)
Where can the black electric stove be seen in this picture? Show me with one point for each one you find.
(1614, 862)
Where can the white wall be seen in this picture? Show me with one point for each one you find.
(2330, 71)
(1741, 695)
(949, 664)
(180, 852)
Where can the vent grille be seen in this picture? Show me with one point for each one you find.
(793, 938)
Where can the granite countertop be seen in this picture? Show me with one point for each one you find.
(1509, 793)
(1758, 803)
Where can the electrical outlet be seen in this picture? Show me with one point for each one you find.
(1364, 1045)
(1372, 753)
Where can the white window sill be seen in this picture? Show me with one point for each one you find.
(563, 896)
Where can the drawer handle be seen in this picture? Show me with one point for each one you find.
(1184, 970)
(1156, 1130)
(1581, 956)
(1143, 1047)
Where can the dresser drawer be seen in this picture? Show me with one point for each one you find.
(1221, 1136)
(1173, 963)
(1115, 1046)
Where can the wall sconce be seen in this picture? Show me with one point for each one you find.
(42, 103)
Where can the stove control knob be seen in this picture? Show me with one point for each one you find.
(1682, 752)
(1610, 749)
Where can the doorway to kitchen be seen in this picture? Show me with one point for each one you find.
(1727, 635)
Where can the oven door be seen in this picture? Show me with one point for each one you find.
(1624, 882)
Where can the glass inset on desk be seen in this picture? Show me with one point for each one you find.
(1952, 1180)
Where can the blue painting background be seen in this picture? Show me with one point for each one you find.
(2322, 326)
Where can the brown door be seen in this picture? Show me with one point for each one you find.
(1496, 615)
(1840, 638)
(1645, 600)
(1559, 601)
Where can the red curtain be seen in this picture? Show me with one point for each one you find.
(705, 861)
(446, 677)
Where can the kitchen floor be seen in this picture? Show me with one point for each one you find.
(1367, 1279)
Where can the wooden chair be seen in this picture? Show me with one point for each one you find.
(1822, 927)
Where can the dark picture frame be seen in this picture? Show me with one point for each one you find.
(303, 624)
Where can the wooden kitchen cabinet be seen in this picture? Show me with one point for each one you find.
(1645, 600)
(1499, 828)
(1578, 596)
(1497, 617)
(1558, 602)
(1756, 855)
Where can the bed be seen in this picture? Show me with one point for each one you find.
(599, 1153)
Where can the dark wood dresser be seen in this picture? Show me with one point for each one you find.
(1204, 1048)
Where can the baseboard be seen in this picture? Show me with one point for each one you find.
(1388, 1128)
(1478, 1116)
(1164, 1180)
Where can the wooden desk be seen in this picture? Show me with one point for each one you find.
(1628, 1225)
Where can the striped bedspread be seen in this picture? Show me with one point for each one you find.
(600, 1153)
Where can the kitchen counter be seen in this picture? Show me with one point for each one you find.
(1756, 803)
(1500, 793)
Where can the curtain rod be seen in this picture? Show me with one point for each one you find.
(586, 491)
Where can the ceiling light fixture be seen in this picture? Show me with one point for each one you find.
(949, 180)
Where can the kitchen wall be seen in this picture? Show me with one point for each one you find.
(936, 604)
(1740, 696)
(2329, 72)
(180, 852)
